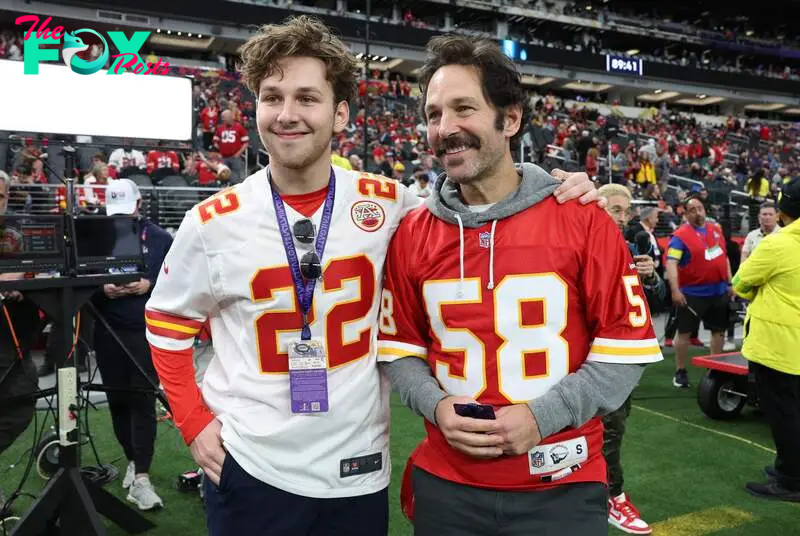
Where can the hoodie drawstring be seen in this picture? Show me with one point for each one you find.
(490, 286)
(459, 290)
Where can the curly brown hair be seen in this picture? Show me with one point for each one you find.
(299, 36)
(501, 81)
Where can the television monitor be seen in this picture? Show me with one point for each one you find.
(108, 244)
(32, 243)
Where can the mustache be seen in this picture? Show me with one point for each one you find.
(461, 140)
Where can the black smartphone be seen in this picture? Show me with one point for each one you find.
(475, 411)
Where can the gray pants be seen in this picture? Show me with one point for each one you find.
(443, 508)
(238, 173)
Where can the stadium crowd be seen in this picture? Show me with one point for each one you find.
(642, 153)
(669, 161)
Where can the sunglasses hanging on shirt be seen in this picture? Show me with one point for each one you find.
(305, 233)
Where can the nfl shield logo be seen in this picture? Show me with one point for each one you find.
(537, 459)
(484, 239)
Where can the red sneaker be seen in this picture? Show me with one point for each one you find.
(623, 515)
(667, 343)
(697, 342)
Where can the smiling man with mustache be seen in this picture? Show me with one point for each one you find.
(494, 294)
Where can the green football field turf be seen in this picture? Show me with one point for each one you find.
(684, 471)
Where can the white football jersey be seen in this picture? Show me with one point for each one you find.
(228, 264)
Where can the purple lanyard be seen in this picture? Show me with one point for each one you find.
(303, 289)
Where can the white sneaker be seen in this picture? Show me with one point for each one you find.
(130, 473)
(623, 515)
(729, 346)
(143, 495)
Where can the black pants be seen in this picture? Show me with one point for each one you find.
(133, 414)
(17, 402)
(779, 398)
(245, 506)
(614, 424)
(443, 508)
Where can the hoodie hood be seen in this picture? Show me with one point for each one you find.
(446, 204)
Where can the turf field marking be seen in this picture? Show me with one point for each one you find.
(717, 432)
(702, 522)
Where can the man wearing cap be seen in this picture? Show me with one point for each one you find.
(770, 279)
(122, 306)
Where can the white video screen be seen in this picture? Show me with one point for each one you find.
(59, 101)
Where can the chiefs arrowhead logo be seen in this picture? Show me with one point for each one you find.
(367, 215)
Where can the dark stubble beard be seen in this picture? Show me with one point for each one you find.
(487, 160)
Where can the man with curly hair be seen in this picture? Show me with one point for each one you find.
(292, 424)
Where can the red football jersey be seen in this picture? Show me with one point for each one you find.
(162, 160)
(209, 117)
(230, 138)
(559, 288)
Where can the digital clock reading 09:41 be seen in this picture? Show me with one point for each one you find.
(621, 64)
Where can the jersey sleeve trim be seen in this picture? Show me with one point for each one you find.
(392, 350)
(171, 326)
(625, 351)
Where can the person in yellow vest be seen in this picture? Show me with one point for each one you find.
(770, 279)
(647, 171)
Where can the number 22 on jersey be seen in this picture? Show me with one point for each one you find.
(342, 277)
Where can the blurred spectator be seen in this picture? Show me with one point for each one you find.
(95, 183)
(231, 140)
(209, 118)
(162, 164)
(127, 161)
(421, 185)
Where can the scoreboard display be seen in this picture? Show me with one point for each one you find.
(624, 65)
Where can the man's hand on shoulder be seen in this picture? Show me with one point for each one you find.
(576, 186)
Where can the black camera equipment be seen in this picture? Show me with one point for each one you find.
(72, 254)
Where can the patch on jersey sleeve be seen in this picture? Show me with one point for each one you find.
(367, 215)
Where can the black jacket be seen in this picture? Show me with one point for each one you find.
(128, 312)
(20, 376)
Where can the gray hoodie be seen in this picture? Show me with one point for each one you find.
(594, 389)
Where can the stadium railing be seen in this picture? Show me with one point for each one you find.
(167, 203)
